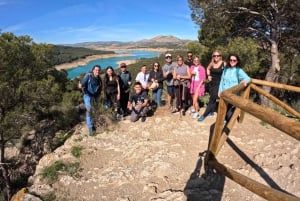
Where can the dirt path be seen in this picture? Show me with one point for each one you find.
(159, 160)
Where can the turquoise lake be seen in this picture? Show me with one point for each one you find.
(136, 54)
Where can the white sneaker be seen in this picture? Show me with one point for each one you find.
(195, 116)
(192, 111)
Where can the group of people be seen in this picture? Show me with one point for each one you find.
(185, 82)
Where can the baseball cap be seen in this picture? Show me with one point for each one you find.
(168, 55)
(122, 65)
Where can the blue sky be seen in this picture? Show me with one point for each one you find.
(73, 21)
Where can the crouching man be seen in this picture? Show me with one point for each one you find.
(138, 103)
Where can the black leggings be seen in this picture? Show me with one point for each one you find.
(212, 103)
(113, 101)
(124, 100)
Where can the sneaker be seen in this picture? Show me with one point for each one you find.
(201, 118)
(175, 111)
(143, 119)
(196, 116)
(192, 111)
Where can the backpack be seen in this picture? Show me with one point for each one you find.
(88, 88)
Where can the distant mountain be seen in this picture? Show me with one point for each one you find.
(161, 41)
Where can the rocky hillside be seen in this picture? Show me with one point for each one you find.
(161, 160)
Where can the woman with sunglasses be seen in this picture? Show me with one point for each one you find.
(232, 75)
(156, 76)
(214, 72)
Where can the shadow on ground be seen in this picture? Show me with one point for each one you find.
(207, 186)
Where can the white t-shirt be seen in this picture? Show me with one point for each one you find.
(142, 78)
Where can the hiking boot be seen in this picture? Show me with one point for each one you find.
(91, 132)
(143, 119)
(183, 112)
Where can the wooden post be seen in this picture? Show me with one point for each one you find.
(227, 129)
(245, 95)
(287, 125)
(212, 148)
(276, 85)
(260, 189)
(276, 100)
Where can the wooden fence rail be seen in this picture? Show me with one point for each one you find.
(291, 126)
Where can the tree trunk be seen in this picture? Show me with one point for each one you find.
(4, 168)
(272, 73)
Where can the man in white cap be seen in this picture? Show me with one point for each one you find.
(168, 69)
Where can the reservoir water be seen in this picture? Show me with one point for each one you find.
(113, 61)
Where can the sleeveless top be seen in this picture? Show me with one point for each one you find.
(111, 86)
(216, 74)
(181, 70)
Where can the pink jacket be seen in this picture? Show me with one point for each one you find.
(198, 77)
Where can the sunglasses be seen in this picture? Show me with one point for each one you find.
(216, 55)
(168, 57)
(233, 60)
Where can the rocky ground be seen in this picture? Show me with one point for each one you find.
(159, 160)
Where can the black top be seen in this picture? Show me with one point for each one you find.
(188, 62)
(111, 86)
(216, 74)
(157, 76)
(124, 79)
(138, 98)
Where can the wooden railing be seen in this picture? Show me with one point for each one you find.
(243, 104)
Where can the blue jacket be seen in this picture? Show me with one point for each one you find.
(91, 85)
(232, 77)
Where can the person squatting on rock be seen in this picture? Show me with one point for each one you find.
(156, 77)
(91, 86)
(168, 69)
(214, 72)
(138, 103)
(181, 76)
(232, 75)
(125, 83)
(112, 91)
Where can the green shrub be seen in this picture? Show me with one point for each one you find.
(76, 151)
(51, 173)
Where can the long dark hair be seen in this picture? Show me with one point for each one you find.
(157, 64)
(114, 75)
(238, 63)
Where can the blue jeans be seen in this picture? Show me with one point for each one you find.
(157, 96)
(89, 103)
